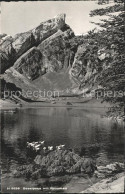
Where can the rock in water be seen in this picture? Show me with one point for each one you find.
(56, 163)
(61, 162)
(110, 169)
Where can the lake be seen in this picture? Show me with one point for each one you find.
(85, 131)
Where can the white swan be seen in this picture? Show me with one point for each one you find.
(36, 149)
(59, 147)
(50, 147)
(37, 146)
(42, 142)
(30, 144)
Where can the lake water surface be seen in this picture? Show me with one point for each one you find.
(83, 130)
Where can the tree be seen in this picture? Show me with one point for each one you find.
(111, 37)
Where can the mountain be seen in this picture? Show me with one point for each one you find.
(51, 57)
(40, 57)
(47, 57)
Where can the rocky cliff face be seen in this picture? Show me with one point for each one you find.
(20, 43)
(49, 56)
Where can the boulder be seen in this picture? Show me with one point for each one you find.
(38, 159)
(88, 166)
(110, 169)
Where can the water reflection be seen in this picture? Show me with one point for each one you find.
(83, 130)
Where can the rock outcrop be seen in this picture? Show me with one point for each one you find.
(30, 64)
(57, 163)
(109, 170)
(56, 50)
(7, 52)
(85, 66)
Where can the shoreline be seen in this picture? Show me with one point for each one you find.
(108, 185)
(91, 103)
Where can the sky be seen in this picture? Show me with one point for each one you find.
(17, 17)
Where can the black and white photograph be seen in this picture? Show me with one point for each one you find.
(62, 97)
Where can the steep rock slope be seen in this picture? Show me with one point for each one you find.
(43, 56)
(13, 48)
(30, 63)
